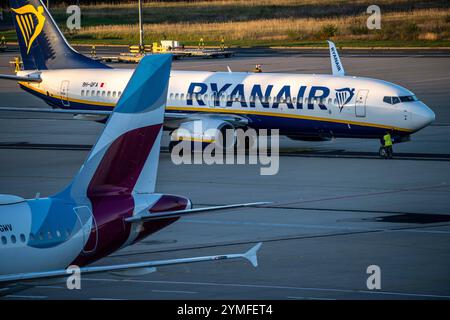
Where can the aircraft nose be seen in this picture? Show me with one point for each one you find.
(422, 116)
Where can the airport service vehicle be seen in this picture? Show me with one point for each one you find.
(111, 203)
(302, 106)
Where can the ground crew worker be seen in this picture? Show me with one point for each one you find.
(201, 44)
(3, 43)
(222, 44)
(257, 68)
(17, 64)
(388, 144)
(93, 52)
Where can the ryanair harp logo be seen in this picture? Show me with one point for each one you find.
(344, 96)
(30, 22)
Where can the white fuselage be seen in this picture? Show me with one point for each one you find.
(269, 100)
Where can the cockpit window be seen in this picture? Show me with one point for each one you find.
(387, 100)
(395, 100)
(408, 99)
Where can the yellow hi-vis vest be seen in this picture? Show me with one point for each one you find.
(387, 140)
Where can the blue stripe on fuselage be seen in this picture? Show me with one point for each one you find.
(287, 126)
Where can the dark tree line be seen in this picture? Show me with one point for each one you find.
(5, 3)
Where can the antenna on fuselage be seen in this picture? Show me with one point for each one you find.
(336, 64)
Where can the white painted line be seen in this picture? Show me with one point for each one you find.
(421, 231)
(308, 298)
(101, 299)
(174, 291)
(279, 287)
(25, 297)
(50, 287)
(283, 225)
(312, 226)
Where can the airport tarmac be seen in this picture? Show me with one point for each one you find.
(337, 207)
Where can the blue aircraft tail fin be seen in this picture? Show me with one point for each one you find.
(42, 44)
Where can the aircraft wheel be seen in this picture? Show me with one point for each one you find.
(383, 153)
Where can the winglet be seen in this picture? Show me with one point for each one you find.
(336, 64)
(251, 255)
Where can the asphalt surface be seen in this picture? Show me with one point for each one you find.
(337, 208)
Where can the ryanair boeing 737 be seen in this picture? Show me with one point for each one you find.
(301, 106)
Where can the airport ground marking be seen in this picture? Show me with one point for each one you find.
(278, 287)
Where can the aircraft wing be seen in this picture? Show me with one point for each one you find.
(182, 213)
(250, 255)
(30, 78)
(60, 111)
(174, 117)
(171, 115)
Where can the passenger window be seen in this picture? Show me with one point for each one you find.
(98, 93)
(114, 94)
(176, 96)
(182, 96)
(171, 96)
(32, 238)
(119, 94)
(93, 93)
(13, 239)
(82, 92)
(87, 93)
(22, 238)
(4, 240)
(103, 93)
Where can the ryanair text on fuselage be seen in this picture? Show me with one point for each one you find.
(284, 95)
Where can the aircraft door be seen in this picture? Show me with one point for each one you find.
(64, 91)
(360, 103)
(90, 231)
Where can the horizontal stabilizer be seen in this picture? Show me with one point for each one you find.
(31, 78)
(189, 212)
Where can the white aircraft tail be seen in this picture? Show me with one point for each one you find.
(336, 64)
